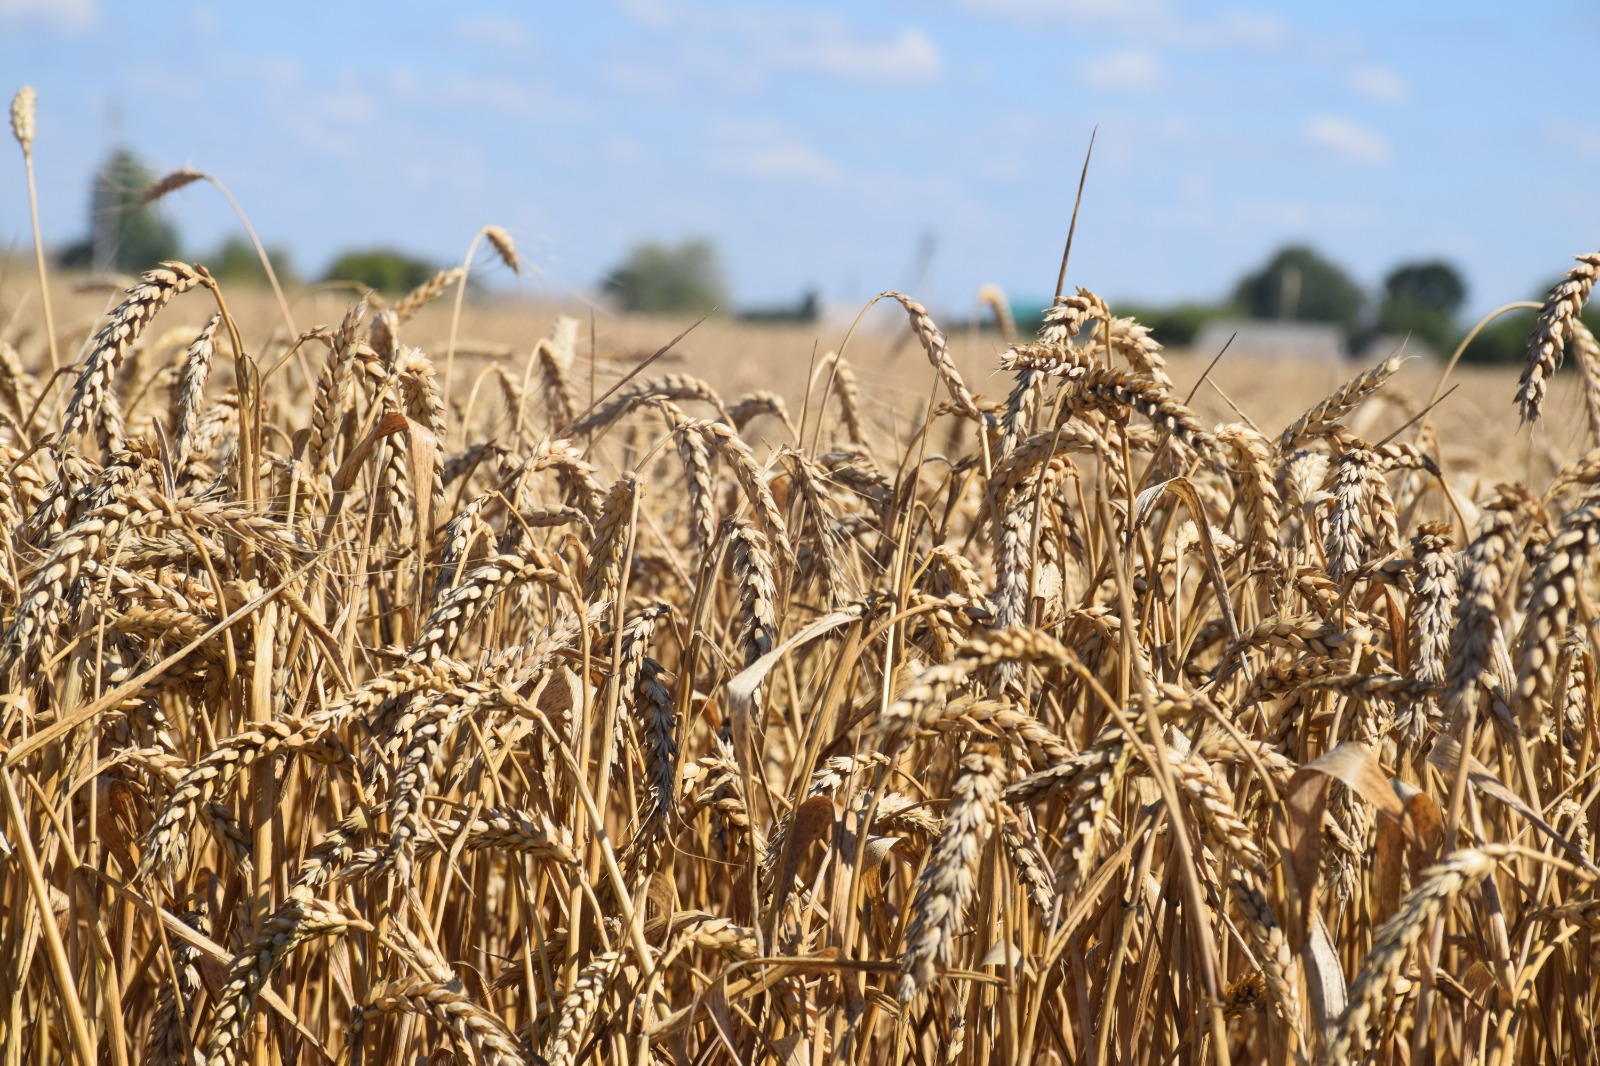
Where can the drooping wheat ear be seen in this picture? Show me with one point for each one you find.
(658, 741)
(301, 918)
(1586, 351)
(818, 526)
(418, 297)
(180, 997)
(674, 387)
(1552, 598)
(1033, 873)
(481, 586)
(191, 390)
(423, 403)
(16, 384)
(756, 403)
(699, 483)
(333, 852)
(848, 390)
(169, 183)
(1014, 568)
(1280, 967)
(1323, 417)
(826, 780)
(1258, 492)
(168, 843)
(1433, 604)
(1134, 343)
(993, 297)
(1021, 409)
(611, 534)
(504, 247)
(1057, 360)
(1211, 800)
(579, 1007)
(736, 453)
(111, 344)
(948, 880)
(298, 921)
(1104, 386)
(1067, 316)
(1346, 544)
(24, 108)
(1552, 332)
(103, 519)
(1439, 887)
(1021, 462)
(560, 403)
(933, 343)
(753, 569)
(480, 1036)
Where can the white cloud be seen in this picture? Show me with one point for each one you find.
(908, 57)
(492, 31)
(1131, 70)
(745, 47)
(766, 150)
(785, 161)
(1162, 21)
(1574, 137)
(1380, 84)
(1347, 139)
(65, 16)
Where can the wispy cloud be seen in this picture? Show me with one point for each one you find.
(492, 31)
(1379, 83)
(908, 57)
(747, 46)
(1347, 139)
(1574, 137)
(767, 150)
(1164, 21)
(66, 16)
(1131, 70)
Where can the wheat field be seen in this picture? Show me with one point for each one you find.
(465, 682)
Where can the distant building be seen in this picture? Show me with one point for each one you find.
(1264, 339)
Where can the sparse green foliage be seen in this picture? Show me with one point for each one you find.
(1421, 301)
(123, 235)
(383, 269)
(1299, 284)
(236, 260)
(660, 279)
(1178, 325)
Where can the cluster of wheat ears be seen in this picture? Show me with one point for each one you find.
(349, 719)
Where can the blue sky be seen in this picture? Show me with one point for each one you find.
(816, 144)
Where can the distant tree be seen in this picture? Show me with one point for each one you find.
(236, 260)
(1435, 285)
(1421, 300)
(380, 268)
(123, 235)
(1299, 284)
(655, 278)
(1177, 325)
(805, 310)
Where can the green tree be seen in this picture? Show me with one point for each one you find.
(380, 268)
(655, 278)
(1299, 284)
(1421, 300)
(236, 260)
(1434, 285)
(124, 235)
(1178, 325)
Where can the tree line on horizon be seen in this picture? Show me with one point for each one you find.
(1418, 299)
